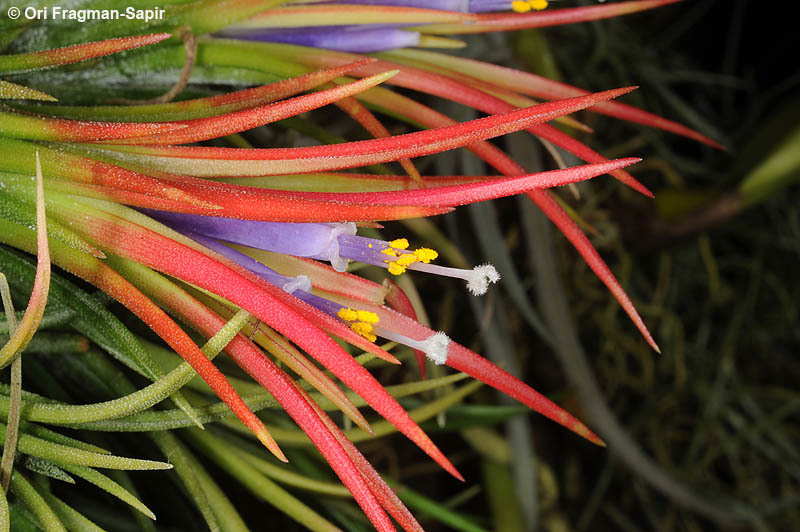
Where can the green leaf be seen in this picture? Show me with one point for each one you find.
(261, 486)
(103, 482)
(93, 320)
(62, 454)
(48, 469)
(12, 91)
(72, 519)
(36, 504)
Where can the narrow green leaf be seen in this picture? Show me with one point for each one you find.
(62, 454)
(187, 469)
(257, 483)
(23, 489)
(425, 506)
(72, 519)
(48, 469)
(93, 320)
(12, 91)
(66, 414)
(103, 482)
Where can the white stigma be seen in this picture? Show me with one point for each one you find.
(480, 278)
(435, 346)
(301, 282)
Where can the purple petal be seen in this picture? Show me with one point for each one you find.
(359, 40)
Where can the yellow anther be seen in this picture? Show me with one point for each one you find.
(425, 254)
(367, 316)
(538, 5)
(400, 243)
(406, 260)
(396, 269)
(369, 246)
(520, 6)
(389, 251)
(364, 329)
(347, 314)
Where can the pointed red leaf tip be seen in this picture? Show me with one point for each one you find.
(504, 164)
(574, 234)
(492, 22)
(455, 195)
(483, 75)
(452, 89)
(269, 442)
(377, 485)
(81, 52)
(217, 126)
(462, 359)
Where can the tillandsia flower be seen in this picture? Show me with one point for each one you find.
(141, 205)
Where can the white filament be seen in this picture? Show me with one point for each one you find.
(478, 279)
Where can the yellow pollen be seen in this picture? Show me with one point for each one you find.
(369, 246)
(396, 269)
(389, 251)
(520, 7)
(425, 254)
(400, 243)
(364, 329)
(406, 260)
(367, 316)
(538, 5)
(347, 314)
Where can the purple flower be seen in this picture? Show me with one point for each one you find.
(361, 39)
(335, 243)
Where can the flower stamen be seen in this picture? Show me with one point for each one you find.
(361, 321)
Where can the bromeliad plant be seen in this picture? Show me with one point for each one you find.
(249, 246)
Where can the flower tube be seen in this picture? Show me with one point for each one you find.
(351, 38)
(335, 243)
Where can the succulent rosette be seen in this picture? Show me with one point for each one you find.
(155, 199)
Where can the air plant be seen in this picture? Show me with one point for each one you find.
(249, 247)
